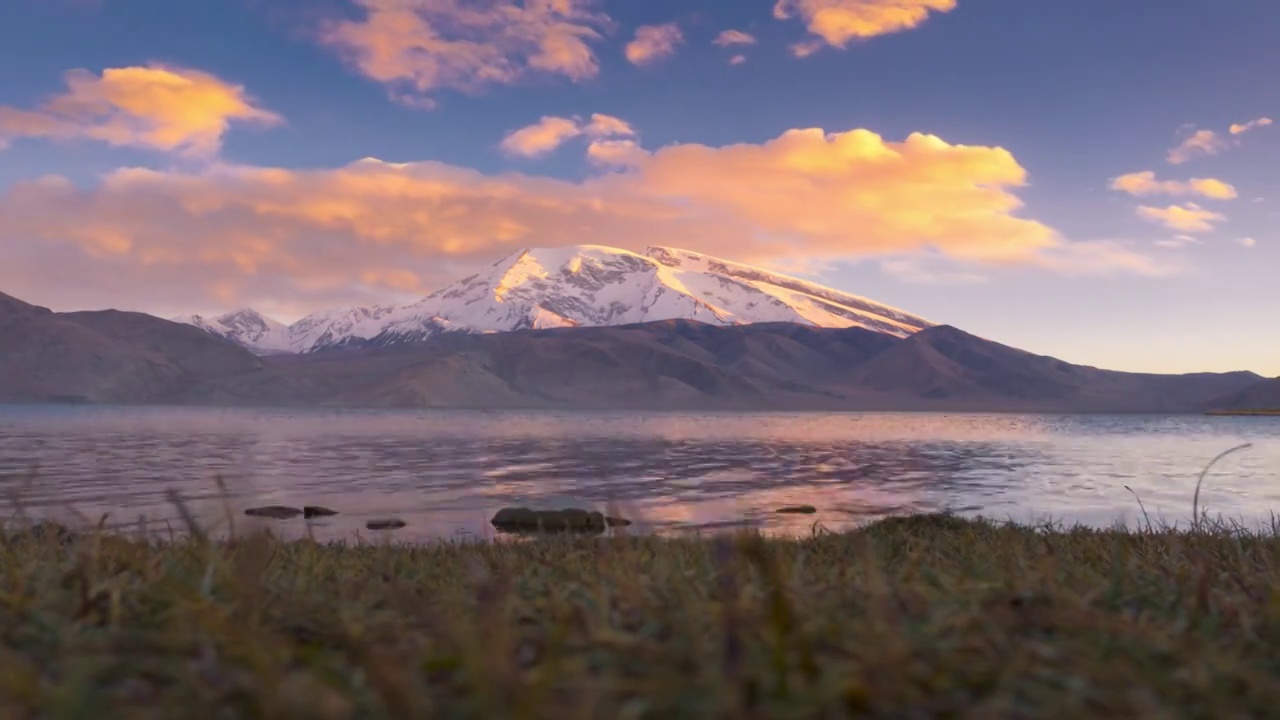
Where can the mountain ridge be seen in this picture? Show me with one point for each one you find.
(107, 356)
(675, 364)
(683, 364)
(1264, 395)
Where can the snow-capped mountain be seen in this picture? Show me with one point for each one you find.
(585, 285)
(246, 327)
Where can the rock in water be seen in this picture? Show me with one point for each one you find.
(566, 520)
(386, 524)
(315, 511)
(798, 510)
(275, 512)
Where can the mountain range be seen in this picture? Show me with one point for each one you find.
(584, 327)
(1259, 396)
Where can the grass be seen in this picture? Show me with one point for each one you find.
(931, 616)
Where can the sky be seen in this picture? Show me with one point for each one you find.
(1093, 180)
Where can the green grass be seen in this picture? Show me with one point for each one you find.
(925, 617)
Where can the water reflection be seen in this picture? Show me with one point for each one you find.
(447, 473)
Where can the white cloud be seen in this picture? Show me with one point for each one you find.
(734, 37)
(924, 271)
(1177, 241)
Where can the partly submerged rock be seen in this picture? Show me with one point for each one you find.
(565, 520)
(797, 510)
(315, 511)
(275, 512)
(386, 524)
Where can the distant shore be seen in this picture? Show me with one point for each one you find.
(1245, 413)
(927, 616)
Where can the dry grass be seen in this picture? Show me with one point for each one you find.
(926, 617)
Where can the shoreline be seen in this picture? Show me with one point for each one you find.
(621, 410)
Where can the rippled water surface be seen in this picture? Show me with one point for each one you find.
(446, 473)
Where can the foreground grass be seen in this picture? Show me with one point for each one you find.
(922, 617)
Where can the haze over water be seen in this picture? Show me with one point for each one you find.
(446, 473)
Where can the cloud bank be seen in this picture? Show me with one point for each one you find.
(294, 240)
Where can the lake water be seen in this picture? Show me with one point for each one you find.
(446, 473)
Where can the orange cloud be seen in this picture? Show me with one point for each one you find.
(541, 138)
(1199, 144)
(616, 153)
(734, 37)
(1241, 128)
(158, 107)
(653, 43)
(419, 46)
(1190, 218)
(837, 22)
(1145, 183)
(551, 132)
(608, 126)
(806, 48)
(295, 240)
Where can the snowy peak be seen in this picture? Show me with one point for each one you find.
(337, 328)
(587, 286)
(250, 322)
(814, 301)
(246, 327)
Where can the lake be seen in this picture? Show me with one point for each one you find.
(445, 473)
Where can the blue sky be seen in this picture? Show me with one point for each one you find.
(1078, 94)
